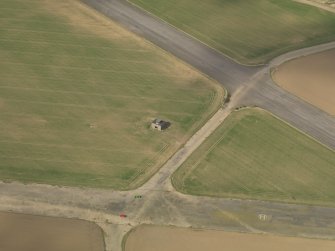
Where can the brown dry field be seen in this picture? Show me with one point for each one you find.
(312, 78)
(153, 238)
(20, 232)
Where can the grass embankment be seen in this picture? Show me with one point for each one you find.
(78, 93)
(254, 155)
(252, 32)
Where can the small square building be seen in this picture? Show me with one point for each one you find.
(160, 124)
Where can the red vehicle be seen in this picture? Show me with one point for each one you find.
(123, 215)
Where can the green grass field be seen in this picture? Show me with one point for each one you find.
(254, 155)
(252, 32)
(78, 93)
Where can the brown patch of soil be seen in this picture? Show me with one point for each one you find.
(312, 78)
(20, 232)
(153, 238)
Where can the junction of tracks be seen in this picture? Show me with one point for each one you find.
(160, 204)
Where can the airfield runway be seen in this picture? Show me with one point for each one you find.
(160, 204)
(264, 93)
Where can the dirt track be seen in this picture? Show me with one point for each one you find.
(160, 206)
(317, 4)
(153, 238)
(311, 78)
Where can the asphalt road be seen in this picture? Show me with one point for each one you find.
(230, 74)
(160, 203)
(178, 43)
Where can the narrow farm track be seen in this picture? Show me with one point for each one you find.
(160, 203)
(316, 4)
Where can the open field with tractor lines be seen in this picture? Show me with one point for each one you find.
(312, 78)
(252, 32)
(152, 238)
(78, 94)
(254, 155)
(20, 232)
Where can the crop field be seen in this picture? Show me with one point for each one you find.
(312, 78)
(256, 156)
(19, 232)
(78, 94)
(252, 32)
(153, 238)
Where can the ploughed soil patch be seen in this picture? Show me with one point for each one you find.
(312, 78)
(153, 238)
(20, 232)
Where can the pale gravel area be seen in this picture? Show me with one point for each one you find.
(322, 4)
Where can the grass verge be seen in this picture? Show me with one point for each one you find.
(254, 155)
(78, 93)
(252, 32)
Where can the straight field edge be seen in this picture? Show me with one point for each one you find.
(273, 71)
(102, 232)
(177, 187)
(243, 60)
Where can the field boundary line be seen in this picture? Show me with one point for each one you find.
(272, 71)
(149, 164)
(202, 157)
(189, 35)
(215, 83)
(273, 68)
(296, 128)
(189, 27)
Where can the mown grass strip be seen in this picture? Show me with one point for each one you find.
(256, 156)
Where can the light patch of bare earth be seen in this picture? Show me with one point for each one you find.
(153, 238)
(312, 78)
(331, 3)
(20, 232)
(328, 5)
